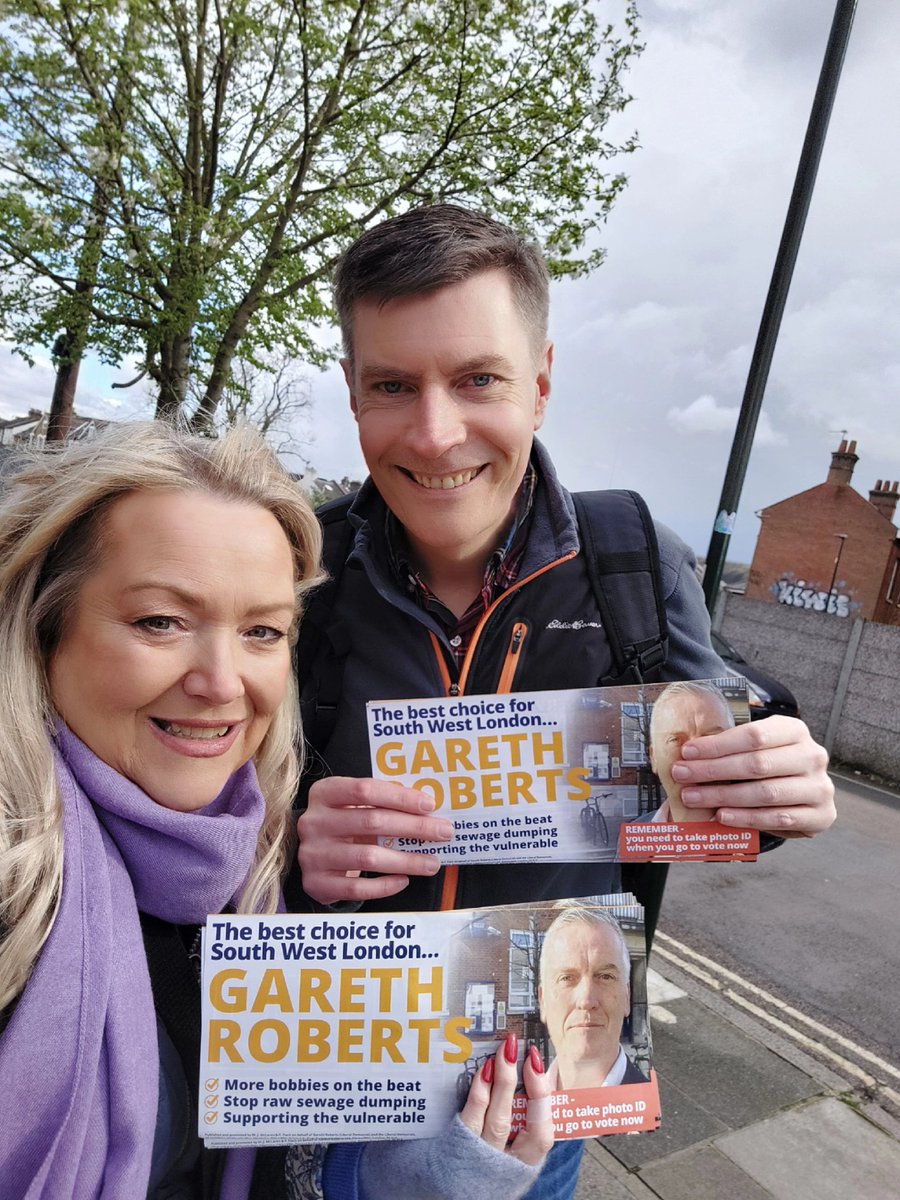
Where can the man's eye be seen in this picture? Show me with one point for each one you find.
(482, 380)
(390, 387)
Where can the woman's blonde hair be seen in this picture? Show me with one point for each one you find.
(52, 519)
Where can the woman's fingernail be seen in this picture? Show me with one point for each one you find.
(427, 804)
(691, 795)
(487, 1071)
(511, 1048)
(680, 771)
(537, 1063)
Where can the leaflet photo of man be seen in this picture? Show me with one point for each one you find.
(585, 996)
(685, 710)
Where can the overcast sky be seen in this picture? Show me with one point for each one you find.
(652, 351)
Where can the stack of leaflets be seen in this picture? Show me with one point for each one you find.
(366, 1026)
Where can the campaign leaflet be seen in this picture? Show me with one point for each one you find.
(353, 1027)
(582, 775)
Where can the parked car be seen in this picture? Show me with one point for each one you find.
(768, 697)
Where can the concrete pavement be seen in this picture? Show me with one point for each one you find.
(747, 1115)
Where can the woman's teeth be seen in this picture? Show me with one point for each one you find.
(193, 731)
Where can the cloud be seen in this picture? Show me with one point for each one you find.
(706, 415)
(24, 387)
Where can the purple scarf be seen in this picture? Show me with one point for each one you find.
(79, 1057)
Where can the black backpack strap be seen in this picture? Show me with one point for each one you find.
(619, 542)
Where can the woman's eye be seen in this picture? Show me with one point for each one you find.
(156, 624)
(265, 633)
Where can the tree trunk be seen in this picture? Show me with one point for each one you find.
(173, 376)
(62, 405)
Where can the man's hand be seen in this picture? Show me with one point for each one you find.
(768, 775)
(339, 834)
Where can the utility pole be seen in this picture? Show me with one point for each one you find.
(779, 286)
(842, 537)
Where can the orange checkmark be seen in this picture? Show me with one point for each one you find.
(212, 1101)
(210, 1118)
(212, 1084)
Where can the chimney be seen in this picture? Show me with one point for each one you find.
(884, 497)
(843, 460)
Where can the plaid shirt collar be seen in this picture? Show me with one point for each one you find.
(500, 573)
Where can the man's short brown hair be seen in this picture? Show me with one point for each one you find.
(432, 247)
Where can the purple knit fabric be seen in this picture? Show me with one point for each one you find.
(79, 1058)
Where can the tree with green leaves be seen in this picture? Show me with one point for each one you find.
(177, 179)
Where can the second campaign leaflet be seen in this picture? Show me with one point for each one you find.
(571, 775)
(360, 1026)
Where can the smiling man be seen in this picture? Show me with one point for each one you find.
(462, 572)
(585, 996)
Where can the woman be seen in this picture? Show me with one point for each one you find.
(149, 588)
(150, 584)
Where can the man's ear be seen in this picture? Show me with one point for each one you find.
(347, 368)
(542, 384)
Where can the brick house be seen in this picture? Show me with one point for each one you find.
(831, 550)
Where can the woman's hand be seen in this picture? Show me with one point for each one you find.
(474, 1156)
(488, 1110)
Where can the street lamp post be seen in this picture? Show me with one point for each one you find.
(842, 537)
(777, 297)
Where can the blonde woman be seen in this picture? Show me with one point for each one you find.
(150, 585)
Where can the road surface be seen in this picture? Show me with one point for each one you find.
(816, 923)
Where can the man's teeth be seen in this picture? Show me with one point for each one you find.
(444, 482)
(192, 731)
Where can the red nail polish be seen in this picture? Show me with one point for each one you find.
(511, 1048)
(537, 1063)
(487, 1071)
